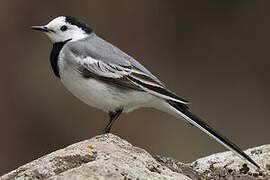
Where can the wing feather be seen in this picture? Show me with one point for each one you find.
(98, 58)
(103, 69)
(154, 87)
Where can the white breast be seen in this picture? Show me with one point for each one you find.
(100, 95)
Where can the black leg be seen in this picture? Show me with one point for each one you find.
(113, 117)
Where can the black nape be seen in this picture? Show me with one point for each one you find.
(79, 23)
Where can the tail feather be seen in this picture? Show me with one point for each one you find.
(191, 118)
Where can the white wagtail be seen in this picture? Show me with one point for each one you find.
(103, 76)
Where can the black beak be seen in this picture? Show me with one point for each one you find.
(41, 28)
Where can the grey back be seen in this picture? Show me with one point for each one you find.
(95, 47)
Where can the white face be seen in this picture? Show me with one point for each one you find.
(60, 30)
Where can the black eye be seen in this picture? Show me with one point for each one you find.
(64, 28)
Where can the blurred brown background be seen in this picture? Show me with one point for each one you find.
(214, 53)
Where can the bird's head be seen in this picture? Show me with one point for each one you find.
(65, 28)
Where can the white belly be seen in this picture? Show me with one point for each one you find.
(103, 96)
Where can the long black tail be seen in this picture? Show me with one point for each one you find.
(194, 120)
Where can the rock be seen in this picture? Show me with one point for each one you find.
(108, 157)
(104, 157)
(228, 165)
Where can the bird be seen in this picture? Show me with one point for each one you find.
(103, 76)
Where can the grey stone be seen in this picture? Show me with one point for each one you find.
(108, 157)
(104, 157)
(227, 165)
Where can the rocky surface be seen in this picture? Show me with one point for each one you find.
(108, 157)
(227, 165)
